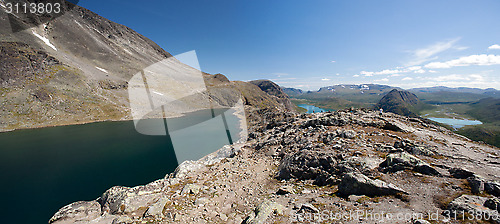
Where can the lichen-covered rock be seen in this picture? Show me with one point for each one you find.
(471, 204)
(403, 160)
(359, 184)
(309, 165)
(263, 211)
(80, 211)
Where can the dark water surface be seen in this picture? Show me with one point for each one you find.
(42, 170)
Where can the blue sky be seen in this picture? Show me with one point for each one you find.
(316, 43)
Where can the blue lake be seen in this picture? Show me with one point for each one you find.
(312, 109)
(44, 169)
(455, 123)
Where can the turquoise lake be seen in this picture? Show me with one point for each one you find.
(44, 169)
(312, 109)
(455, 123)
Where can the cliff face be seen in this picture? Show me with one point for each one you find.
(76, 67)
(294, 167)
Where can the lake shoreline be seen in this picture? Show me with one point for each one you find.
(101, 121)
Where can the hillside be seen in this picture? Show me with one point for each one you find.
(76, 68)
(399, 102)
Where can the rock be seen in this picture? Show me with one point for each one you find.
(471, 204)
(309, 165)
(414, 148)
(201, 201)
(421, 221)
(122, 220)
(359, 184)
(308, 208)
(346, 134)
(288, 189)
(355, 198)
(130, 201)
(77, 211)
(190, 189)
(493, 203)
(476, 184)
(263, 211)
(460, 173)
(157, 208)
(492, 188)
(403, 160)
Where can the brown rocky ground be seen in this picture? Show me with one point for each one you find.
(313, 168)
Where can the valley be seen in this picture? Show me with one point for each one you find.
(464, 104)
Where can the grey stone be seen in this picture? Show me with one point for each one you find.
(421, 221)
(403, 160)
(359, 184)
(460, 173)
(190, 189)
(476, 184)
(77, 211)
(471, 204)
(263, 211)
(492, 188)
(308, 208)
(493, 203)
(122, 220)
(157, 208)
(287, 189)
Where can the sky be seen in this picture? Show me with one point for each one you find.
(310, 44)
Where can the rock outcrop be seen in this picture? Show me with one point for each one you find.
(294, 167)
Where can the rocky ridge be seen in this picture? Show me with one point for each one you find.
(294, 167)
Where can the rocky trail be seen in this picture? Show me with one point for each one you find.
(354, 166)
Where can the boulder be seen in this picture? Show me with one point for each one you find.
(308, 208)
(77, 211)
(288, 189)
(476, 184)
(403, 160)
(493, 203)
(263, 211)
(460, 173)
(309, 165)
(191, 189)
(471, 204)
(421, 221)
(359, 184)
(492, 187)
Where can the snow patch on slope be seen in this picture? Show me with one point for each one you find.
(45, 40)
(102, 69)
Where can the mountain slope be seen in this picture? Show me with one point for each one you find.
(76, 68)
(399, 102)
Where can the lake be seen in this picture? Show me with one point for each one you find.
(455, 123)
(44, 169)
(312, 109)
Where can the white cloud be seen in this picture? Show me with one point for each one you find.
(432, 71)
(426, 54)
(395, 75)
(382, 80)
(407, 79)
(494, 47)
(367, 74)
(355, 76)
(455, 77)
(325, 79)
(482, 59)
(333, 61)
